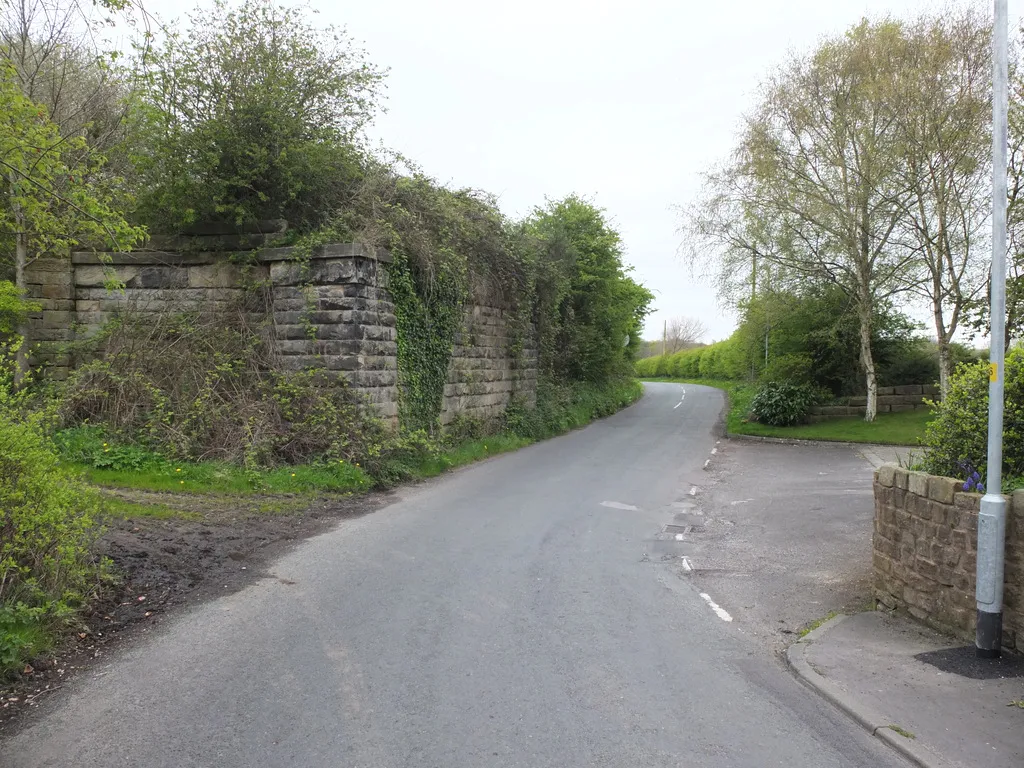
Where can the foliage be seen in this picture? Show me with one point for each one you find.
(589, 312)
(252, 115)
(46, 528)
(14, 308)
(782, 404)
(959, 433)
(204, 386)
(56, 190)
(562, 407)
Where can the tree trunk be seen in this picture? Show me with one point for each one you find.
(942, 338)
(20, 264)
(868, 359)
(945, 366)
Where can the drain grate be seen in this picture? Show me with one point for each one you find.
(678, 528)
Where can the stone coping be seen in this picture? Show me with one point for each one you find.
(183, 259)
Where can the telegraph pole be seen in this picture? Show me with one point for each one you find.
(992, 516)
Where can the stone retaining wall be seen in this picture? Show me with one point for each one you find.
(908, 397)
(925, 552)
(332, 311)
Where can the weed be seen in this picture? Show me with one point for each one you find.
(901, 731)
(817, 623)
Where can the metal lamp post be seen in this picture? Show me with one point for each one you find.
(992, 515)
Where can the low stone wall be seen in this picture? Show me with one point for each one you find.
(332, 311)
(925, 552)
(909, 397)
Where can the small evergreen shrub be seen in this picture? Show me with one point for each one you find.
(783, 404)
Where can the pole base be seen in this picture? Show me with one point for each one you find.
(989, 636)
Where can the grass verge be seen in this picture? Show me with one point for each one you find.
(905, 428)
(115, 466)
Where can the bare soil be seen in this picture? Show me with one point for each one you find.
(218, 545)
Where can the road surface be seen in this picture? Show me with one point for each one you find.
(527, 611)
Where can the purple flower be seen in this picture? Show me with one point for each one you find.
(981, 487)
(967, 485)
(976, 477)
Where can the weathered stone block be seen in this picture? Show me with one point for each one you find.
(942, 489)
(908, 389)
(918, 483)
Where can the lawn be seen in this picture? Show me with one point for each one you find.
(905, 428)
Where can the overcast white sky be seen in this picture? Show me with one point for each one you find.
(625, 102)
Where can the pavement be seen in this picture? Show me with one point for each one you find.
(784, 534)
(531, 610)
(924, 694)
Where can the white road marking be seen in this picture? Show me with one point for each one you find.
(706, 463)
(677, 405)
(741, 501)
(714, 451)
(686, 565)
(722, 613)
(679, 537)
(693, 490)
(619, 505)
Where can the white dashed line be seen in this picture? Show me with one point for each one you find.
(686, 565)
(741, 501)
(714, 451)
(722, 613)
(619, 505)
(693, 490)
(677, 405)
(706, 463)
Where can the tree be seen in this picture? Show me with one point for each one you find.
(682, 332)
(941, 107)
(252, 115)
(55, 193)
(591, 313)
(817, 168)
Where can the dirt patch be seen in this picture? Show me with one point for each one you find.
(164, 563)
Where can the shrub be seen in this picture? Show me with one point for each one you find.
(959, 433)
(46, 528)
(782, 404)
(204, 386)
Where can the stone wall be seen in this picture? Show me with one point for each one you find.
(909, 397)
(332, 311)
(925, 552)
(483, 376)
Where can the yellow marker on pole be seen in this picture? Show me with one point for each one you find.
(993, 371)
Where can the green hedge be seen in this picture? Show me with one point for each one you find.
(722, 360)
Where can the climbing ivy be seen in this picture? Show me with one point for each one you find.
(427, 320)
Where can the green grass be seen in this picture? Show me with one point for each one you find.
(214, 477)
(127, 510)
(470, 451)
(905, 428)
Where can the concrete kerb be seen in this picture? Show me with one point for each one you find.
(876, 725)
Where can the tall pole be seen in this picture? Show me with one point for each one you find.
(992, 516)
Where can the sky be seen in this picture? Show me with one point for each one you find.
(626, 103)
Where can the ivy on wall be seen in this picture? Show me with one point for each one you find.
(427, 321)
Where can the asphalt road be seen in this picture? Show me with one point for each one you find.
(527, 611)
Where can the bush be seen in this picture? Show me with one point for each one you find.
(46, 529)
(203, 386)
(958, 435)
(783, 404)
